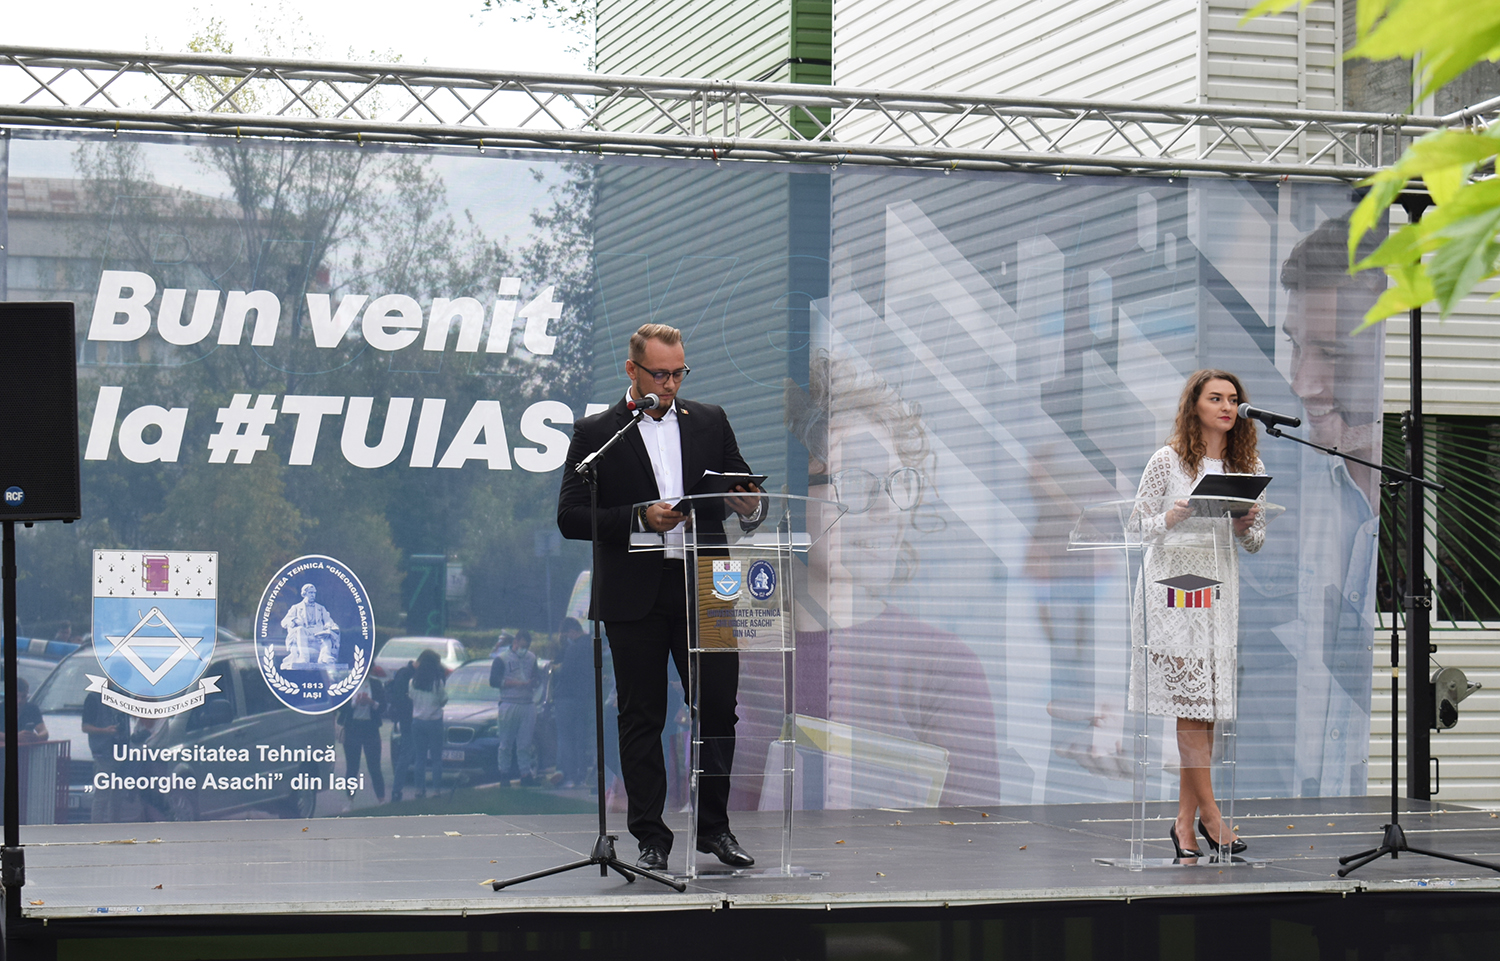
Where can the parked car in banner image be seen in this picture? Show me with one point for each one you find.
(36, 659)
(398, 650)
(276, 752)
(470, 745)
(471, 717)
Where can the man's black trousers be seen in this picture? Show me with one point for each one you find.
(640, 650)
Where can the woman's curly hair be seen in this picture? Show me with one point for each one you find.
(1240, 444)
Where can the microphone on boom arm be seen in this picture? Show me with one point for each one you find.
(649, 402)
(1269, 417)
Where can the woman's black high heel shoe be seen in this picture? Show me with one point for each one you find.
(1189, 853)
(1235, 847)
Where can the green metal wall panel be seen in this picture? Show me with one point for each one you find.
(811, 53)
(779, 41)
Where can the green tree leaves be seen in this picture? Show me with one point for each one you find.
(1454, 246)
(1458, 235)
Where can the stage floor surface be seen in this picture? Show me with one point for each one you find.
(867, 859)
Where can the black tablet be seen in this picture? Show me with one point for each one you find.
(713, 482)
(1242, 487)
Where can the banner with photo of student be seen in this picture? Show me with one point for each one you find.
(998, 352)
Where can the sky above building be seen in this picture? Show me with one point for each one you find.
(457, 33)
(453, 33)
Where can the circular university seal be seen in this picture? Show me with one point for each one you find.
(314, 634)
(762, 580)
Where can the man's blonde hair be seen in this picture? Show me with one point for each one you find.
(670, 336)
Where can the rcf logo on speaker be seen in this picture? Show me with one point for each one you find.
(14, 497)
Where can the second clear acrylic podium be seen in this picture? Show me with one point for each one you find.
(1179, 592)
(745, 566)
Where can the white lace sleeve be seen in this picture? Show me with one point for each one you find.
(1253, 539)
(1152, 520)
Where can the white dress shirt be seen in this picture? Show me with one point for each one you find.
(663, 440)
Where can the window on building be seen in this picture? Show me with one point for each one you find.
(1463, 524)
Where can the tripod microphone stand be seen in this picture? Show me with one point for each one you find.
(603, 852)
(1393, 842)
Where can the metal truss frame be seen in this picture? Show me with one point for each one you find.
(704, 119)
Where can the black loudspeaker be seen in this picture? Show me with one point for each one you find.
(38, 413)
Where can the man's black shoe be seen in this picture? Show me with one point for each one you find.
(652, 858)
(724, 847)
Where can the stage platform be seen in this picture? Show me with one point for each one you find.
(883, 859)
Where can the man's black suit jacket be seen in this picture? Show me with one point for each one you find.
(628, 580)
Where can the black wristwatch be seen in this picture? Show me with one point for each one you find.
(640, 516)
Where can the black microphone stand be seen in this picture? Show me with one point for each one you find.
(1393, 841)
(603, 853)
(13, 860)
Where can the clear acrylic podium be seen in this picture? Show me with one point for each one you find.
(744, 576)
(1181, 588)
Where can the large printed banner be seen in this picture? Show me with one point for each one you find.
(349, 375)
(1020, 344)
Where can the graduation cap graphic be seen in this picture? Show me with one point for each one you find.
(1190, 590)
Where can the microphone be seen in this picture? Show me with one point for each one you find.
(651, 402)
(1269, 417)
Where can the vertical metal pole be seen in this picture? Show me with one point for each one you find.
(1418, 597)
(1418, 592)
(788, 743)
(604, 844)
(599, 729)
(1228, 769)
(13, 871)
(4, 213)
(1140, 738)
(1395, 556)
(695, 686)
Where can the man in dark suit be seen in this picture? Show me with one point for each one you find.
(642, 595)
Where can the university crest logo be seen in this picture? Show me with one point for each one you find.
(726, 580)
(155, 625)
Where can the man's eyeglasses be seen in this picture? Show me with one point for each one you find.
(858, 489)
(660, 376)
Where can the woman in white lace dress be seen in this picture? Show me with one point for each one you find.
(1192, 620)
